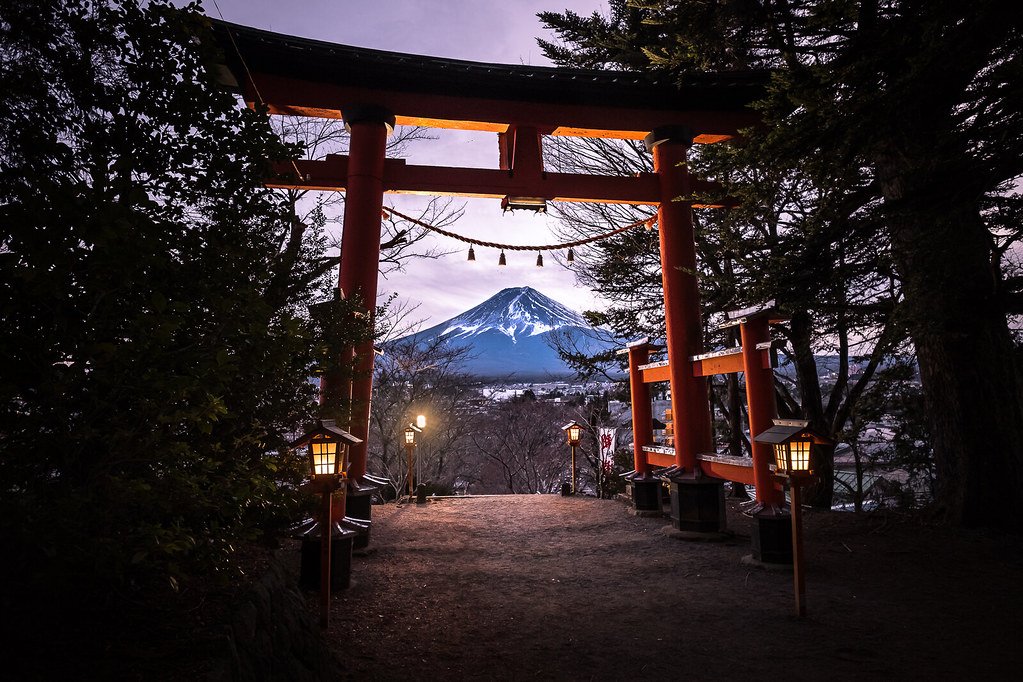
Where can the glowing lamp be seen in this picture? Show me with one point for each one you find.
(421, 421)
(323, 453)
(793, 443)
(326, 445)
(574, 432)
(410, 436)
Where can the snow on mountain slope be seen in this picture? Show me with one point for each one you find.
(514, 312)
(509, 333)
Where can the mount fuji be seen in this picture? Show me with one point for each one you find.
(510, 334)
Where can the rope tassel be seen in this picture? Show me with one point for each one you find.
(571, 255)
(539, 260)
(472, 254)
(502, 260)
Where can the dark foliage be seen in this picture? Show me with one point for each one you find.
(886, 176)
(155, 353)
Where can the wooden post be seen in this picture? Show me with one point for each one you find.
(573, 468)
(408, 448)
(761, 407)
(326, 524)
(798, 578)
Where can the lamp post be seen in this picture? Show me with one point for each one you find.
(793, 444)
(327, 446)
(420, 461)
(574, 432)
(410, 444)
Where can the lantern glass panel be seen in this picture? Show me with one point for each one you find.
(324, 457)
(800, 454)
(410, 436)
(574, 434)
(781, 457)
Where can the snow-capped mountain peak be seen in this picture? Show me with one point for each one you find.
(515, 312)
(510, 334)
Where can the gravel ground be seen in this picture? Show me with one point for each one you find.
(549, 587)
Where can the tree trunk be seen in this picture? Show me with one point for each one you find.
(820, 494)
(970, 378)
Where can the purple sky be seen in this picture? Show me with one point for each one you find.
(477, 30)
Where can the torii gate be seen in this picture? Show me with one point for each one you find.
(373, 90)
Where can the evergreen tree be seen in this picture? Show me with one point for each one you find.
(915, 110)
(156, 349)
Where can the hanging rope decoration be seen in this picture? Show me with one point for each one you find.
(502, 260)
(649, 222)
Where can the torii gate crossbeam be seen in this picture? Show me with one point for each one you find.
(373, 90)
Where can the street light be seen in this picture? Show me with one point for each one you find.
(421, 422)
(574, 432)
(327, 446)
(794, 442)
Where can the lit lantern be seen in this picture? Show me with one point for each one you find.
(324, 456)
(793, 442)
(574, 432)
(421, 421)
(410, 436)
(326, 447)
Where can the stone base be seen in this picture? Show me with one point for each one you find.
(772, 537)
(698, 505)
(360, 527)
(340, 561)
(358, 504)
(358, 512)
(646, 494)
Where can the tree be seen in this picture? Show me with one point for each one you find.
(783, 210)
(412, 379)
(153, 294)
(523, 446)
(322, 137)
(923, 100)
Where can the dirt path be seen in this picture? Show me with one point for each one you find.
(546, 587)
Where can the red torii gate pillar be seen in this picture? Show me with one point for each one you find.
(646, 489)
(697, 501)
(360, 256)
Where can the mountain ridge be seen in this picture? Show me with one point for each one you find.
(510, 334)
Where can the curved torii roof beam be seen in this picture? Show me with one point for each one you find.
(314, 78)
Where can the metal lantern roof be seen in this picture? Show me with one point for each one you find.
(326, 427)
(785, 430)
